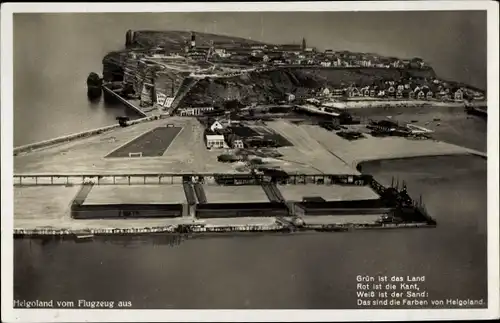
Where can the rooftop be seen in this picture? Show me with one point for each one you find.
(327, 192)
(235, 194)
(136, 194)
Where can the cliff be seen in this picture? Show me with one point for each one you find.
(271, 86)
(133, 68)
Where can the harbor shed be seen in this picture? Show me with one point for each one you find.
(215, 141)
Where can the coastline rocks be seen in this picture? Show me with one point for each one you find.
(94, 80)
(94, 86)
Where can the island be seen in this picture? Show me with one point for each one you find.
(239, 135)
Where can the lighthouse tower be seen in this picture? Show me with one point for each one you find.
(193, 40)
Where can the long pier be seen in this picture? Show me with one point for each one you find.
(124, 101)
(30, 179)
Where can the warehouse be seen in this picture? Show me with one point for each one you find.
(215, 141)
(220, 201)
(331, 199)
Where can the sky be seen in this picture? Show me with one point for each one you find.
(454, 43)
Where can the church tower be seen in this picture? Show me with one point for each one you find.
(303, 44)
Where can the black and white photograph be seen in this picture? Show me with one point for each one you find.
(248, 156)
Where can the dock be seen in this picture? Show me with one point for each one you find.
(137, 206)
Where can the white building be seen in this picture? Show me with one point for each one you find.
(220, 51)
(195, 111)
(238, 144)
(217, 125)
(216, 141)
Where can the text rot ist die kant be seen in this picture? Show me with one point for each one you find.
(390, 291)
(404, 291)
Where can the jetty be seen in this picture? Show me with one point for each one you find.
(131, 104)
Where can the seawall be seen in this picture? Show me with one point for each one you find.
(75, 136)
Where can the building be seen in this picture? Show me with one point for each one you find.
(193, 40)
(365, 63)
(195, 111)
(235, 141)
(220, 51)
(197, 55)
(397, 64)
(391, 91)
(163, 101)
(217, 125)
(337, 92)
(215, 141)
(366, 91)
(238, 144)
(352, 91)
(459, 95)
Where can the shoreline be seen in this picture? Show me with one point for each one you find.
(369, 103)
(199, 229)
(97, 131)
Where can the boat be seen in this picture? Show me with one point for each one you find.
(317, 107)
(480, 111)
(84, 237)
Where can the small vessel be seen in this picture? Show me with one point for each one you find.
(84, 237)
(315, 106)
(479, 111)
